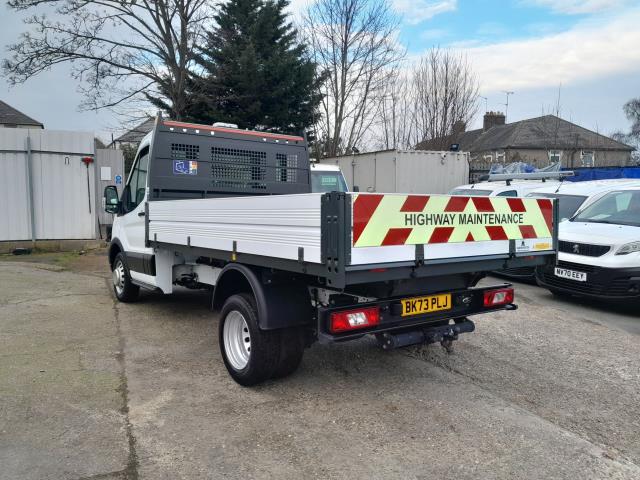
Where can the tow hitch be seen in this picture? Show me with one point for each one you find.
(445, 334)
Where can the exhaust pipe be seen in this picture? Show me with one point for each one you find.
(443, 333)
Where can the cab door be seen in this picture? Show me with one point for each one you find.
(131, 224)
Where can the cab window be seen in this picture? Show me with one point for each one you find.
(137, 183)
(508, 193)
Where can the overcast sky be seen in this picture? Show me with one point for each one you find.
(589, 50)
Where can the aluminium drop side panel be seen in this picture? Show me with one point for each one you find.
(14, 185)
(397, 253)
(373, 255)
(275, 226)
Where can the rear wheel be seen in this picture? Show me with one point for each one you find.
(124, 290)
(251, 355)
(291, 350)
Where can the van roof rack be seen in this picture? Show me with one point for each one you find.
(508, 177)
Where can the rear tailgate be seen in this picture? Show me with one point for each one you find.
(396, 227)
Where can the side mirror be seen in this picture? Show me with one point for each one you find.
(111, 202)
(356, 188)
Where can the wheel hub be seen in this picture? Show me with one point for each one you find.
(237, 340)
(118, 277)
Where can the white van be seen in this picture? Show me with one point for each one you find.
(599, 249)
(571, 197)
(327, 178)
(514, 188)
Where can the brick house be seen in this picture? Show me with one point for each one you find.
(539, 142)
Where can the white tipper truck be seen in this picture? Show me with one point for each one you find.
(233, 211)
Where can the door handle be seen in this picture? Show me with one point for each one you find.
(141, 214)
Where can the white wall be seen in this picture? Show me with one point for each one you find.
(404, 171)
(113, 160)
(63, 204)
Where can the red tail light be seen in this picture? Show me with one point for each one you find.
(354, 319)
(495, 298)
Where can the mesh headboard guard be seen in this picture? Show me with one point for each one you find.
(197, 161)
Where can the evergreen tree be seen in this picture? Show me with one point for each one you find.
(255, 71)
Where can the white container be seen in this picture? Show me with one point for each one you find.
(404, 171)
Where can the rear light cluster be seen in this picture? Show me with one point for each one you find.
(495, 298)
(354, 319)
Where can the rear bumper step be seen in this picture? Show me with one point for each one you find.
(426, 335)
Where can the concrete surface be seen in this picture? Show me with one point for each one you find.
(94, 389)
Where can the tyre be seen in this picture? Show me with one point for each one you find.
(291, 351)
(124, 290)
(251, 355)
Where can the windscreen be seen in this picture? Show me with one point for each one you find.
(322, 182)
(567, 204)
(619, 208)
(470, 192)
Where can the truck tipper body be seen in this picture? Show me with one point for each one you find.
(232, 211)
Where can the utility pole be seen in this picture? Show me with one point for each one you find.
(506, 112)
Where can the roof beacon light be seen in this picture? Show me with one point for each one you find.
(493, 177)
(225, 125)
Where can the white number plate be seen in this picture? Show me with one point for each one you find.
(571, 274)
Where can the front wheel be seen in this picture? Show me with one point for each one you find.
(123, 288)
(251, 355)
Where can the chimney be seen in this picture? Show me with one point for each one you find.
(493, 119)
(459, 127)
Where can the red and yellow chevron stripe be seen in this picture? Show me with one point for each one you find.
(393, 219)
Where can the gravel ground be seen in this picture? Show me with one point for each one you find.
(90, 388)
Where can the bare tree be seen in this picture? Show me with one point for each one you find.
(353, 43)
(632, 138)
(632, 111)
(446, 97)
(395, 127)
(120, 50)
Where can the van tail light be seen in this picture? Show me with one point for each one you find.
(495, 298)
(354, 319)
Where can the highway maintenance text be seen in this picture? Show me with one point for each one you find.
(415, 219)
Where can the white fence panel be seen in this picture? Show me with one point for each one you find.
(14, 198)
(63, 202)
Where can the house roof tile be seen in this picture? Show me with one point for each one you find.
(9, 115)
